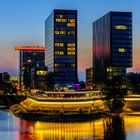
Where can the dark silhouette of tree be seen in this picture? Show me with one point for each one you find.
(50, 81)
(82, 85)
(114, 92)
(114, 129)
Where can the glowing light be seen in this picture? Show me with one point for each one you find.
(71, 32)
(29, 61)
(59, 53)
(56, 65)
(122, 50)
(72, 65)
(109, 69)
(29, 48)
(70, 53)
(71, 20)
(61, 20)
(59, 44)
(41, 72)
(120, 27)
(70, 24)
(70, 49)
(60, 32)
(71, 44)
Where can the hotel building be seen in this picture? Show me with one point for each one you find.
(61, 45)
(112, 46)
(30, 57)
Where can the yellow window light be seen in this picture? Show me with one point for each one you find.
(56, 65)
(61, 20)
(109, 69)
(60, 32)
(120, 27)
(71, 20)
(71, 44)
(71, 49)
(72, 65)
(59, 44)
(59, 53)
(71, 32)
(122, 50)
(70, 24)
(41, 72)
(71, 53)
(29, 61)
(61, 16)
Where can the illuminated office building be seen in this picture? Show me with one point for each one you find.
(112, 46)
(30, 57)
(61, 45)
(89, 78)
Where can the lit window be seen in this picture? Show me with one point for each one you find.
(122, 50)
(56, 65)
(70, 49)
(60, 32)
(61, 16)
(120, 27)
(61, 20)
(41, 72)
(109, 69)
(29, 61)
(71, 44)
(59, 53)
(57, 32)
(71, 32)
(59, 44)
(71, 20)
(70, 24)
(73, 65)
(71, 53)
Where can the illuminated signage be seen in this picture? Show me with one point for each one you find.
(120, 27)
(41, 72)
(29, 48)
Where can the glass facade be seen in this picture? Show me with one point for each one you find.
(28, 60)
(112, 45)
(61, 45)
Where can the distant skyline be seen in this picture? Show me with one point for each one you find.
(23, 23)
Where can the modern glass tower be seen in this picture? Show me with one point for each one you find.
(30, 57)
(112, 46)
(61, 45)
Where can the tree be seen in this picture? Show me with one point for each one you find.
(50, 81)
(82, 85)
(114, 92)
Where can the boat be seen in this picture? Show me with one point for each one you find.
(55, 104)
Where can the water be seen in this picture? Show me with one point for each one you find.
(124, 128)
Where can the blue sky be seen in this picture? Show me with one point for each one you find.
(22, 23)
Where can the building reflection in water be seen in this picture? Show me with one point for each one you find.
(125, 128)
(115, 128)
(61, 131)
